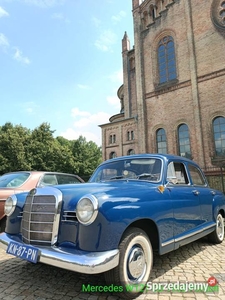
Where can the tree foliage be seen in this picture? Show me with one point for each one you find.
(24, 149)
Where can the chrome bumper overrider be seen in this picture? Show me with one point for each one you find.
(78, 261)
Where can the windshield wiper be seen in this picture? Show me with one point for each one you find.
(145, 175)
(116, 177)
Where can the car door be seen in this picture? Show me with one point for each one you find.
(205, 194)
(186, 204)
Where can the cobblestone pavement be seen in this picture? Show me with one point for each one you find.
(195, 262)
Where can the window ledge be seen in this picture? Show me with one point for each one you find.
(165, 85)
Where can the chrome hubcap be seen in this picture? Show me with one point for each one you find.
(136, 264)
(220, 228)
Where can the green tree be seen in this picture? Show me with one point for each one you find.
(23, 149)
(14, 141)
(87, 156)
(43, 148)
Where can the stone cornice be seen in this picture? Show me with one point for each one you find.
(211, 75)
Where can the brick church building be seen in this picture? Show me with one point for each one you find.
(173, 92)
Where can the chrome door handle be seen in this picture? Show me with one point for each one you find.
(195, 192)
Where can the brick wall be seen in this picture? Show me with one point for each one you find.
(195, 98)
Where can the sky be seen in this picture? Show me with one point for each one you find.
(61, 63)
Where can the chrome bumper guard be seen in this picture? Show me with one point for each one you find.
(77, 261)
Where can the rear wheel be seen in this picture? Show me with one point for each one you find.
(136, 257)
(217, 235)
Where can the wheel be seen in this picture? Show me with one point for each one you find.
(3, 224)
(136, 258)
(217, 235)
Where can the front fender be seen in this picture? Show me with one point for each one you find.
(116, 216)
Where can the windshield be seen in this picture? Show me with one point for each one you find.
(13, 179)
(143, 169)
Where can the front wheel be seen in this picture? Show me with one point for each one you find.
(136, 258)
(217, 235)
(3, 224)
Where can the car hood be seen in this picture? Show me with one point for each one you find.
(122, 190)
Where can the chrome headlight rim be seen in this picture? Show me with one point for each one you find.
(94, 202)
(10, 205)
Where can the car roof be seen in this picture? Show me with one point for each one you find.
(153, 155)
(40, 172)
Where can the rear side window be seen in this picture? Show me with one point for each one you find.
(48, 179)
(196, 176)
(67, 179)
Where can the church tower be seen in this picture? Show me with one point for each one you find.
(172, 97)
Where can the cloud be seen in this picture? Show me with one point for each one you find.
(114, 101)
(77, 113)
(97, 22)
(29, 107)
(87, 125)
(73, 134)
(18, 55)
(60, 17)
(3, 41)
(106, 40)
(117, 18)
(3, 13)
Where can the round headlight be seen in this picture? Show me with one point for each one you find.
(87, 210)
(10, 205)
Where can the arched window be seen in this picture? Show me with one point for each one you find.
(219, 135)
(161, 141)
(130, 152)
(166, 60)
(130, 135)
(112, 155)
(184, 141)
(112, 138)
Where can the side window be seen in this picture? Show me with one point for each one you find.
(196, 175)
(66, 179)
(48, 179)
(176, 173)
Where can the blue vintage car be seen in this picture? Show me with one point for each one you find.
(131, 206)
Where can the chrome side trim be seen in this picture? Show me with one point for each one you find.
(73, 260)
(196, 232)
(187, 236)
(167, 243)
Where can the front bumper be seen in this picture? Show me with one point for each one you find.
(66, 258)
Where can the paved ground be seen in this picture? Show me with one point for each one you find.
(196, 262)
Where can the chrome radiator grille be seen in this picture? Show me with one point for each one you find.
(39, 219)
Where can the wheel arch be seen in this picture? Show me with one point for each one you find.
(149, 227)
(222, 212)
